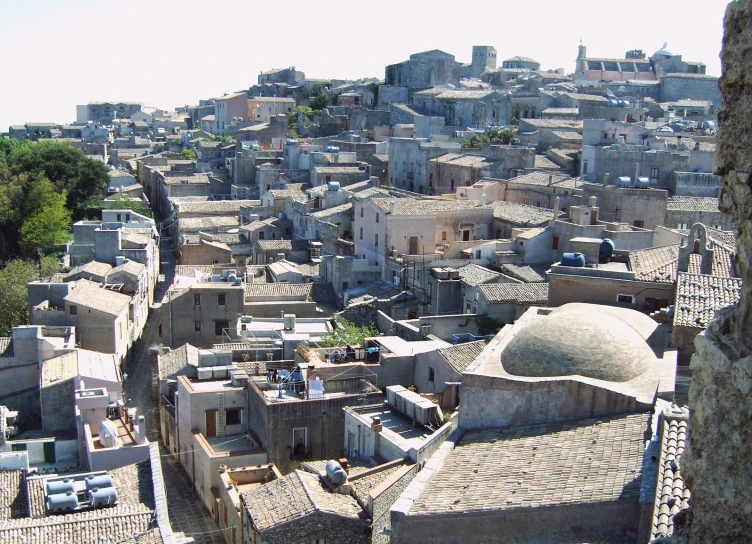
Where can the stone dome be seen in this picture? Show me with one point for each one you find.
(581, 339)
(663, 51)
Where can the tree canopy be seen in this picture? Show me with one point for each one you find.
(14, 310)
(492, 136)
(348, 334)
(43, 187)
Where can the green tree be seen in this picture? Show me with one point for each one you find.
(348, 334)
(319, 102)
(14, 310)
(83, 179)
(47, 221)
(189, 154)
(7, 145)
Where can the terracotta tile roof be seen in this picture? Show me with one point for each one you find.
(12, 495)
(473, 274)
(515, 293)
(88, 294)
(414, 206)
(692, 204)
(670, 494)
(529, 273)
(362, 486)
(342, 208)
(292, 497)
(211, 207)
(698, 297)
(208, 222)
(323, 293)
(543, 162)
(172, 362)
(657, 264)
(723, 262)
(538, 178)
(274, 245)
(585, 461)
(469, 161)
(461, 356)
(333, 170)
(195, 179)
(521, 214)
(300, 290)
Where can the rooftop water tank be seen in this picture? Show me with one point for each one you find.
(332, 149)
(103, 497)
(573, 259)
(60, 486)
(62, 502)
(623, 181)
(335, 472)
(642, 182)
(98, 481)
(332, 186)
(606, 250)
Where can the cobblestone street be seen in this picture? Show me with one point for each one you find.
(190, 521)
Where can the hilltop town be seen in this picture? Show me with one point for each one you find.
(454, 304)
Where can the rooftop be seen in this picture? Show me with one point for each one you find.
(529, 273)
(88, 294)
(586, 461)
(515, 293)
(292, 497)
(692, 204)
(461, 356)
(412, 206)
(521, 214)
(473, 274)
(698, 297)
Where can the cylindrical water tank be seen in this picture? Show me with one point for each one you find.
(100, 481)
(62, 502)
(573, 259)
(60, 486)
(606, 250)
(103, 497)
(335, 472)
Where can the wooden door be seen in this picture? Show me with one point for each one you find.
(211, 423)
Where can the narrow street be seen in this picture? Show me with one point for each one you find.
(189, 518)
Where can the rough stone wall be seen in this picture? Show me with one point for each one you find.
(695, 88)
(716, 463)
(317, 526)
(382, 504)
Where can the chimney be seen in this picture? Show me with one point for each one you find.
(636, 173)
(550, 180)
(606, 178)
(556, 211)
(141, 430)
(376, 425)
(391, 206)
(592, 201)
(483, 199)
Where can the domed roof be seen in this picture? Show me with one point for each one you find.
(663, 51)
(580, 339)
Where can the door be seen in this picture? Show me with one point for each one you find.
(351, 449)
(465, 235)
(413, 247)
(211, 423)
(49, 452)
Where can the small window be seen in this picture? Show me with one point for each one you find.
(431, 374)
(221, 299)
(376, 240)
(625, 299)
(377, 217)
(197, 326)
(682, 226)
(345, 285)
(477, 253)
(361, 233)
(73, 309)
(654, 173)
(361, 211)
(220, 326)
(639, 224)
(443, 236)
(233, 417)
(197, 300)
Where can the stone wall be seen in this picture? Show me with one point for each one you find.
(715, 465)
(318, 526)
(694, 87)
(695, 184)
(384, 501)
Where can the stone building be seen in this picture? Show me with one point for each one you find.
(463, 109)
(289, 75)
(423, 70)
(451, 171)
(408, 161)
(474, 487)
(484, 60)
(684, 211)
(518, 62)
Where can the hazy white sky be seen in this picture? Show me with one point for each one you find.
(167, 53)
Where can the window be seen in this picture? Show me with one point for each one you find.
(318, 541)
(361, 233)
(430, 292)
(233, 417)
(682, 226)
(261, 235)
(477, 253)
(197, 326)
(197, 300)
(377, 217)
(639, 224)
(376, 240)
(431, 374)
(361, 211)
(73, 309)
(555, 243)
(220, 325)
(345, 285)
(625, 299)
(718, 227)
(300, 440)
(221, 299)
(654, 173)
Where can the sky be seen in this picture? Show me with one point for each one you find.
(169, 53)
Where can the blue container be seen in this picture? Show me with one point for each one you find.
(573, 259)
(606, 250)
(60, 486)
